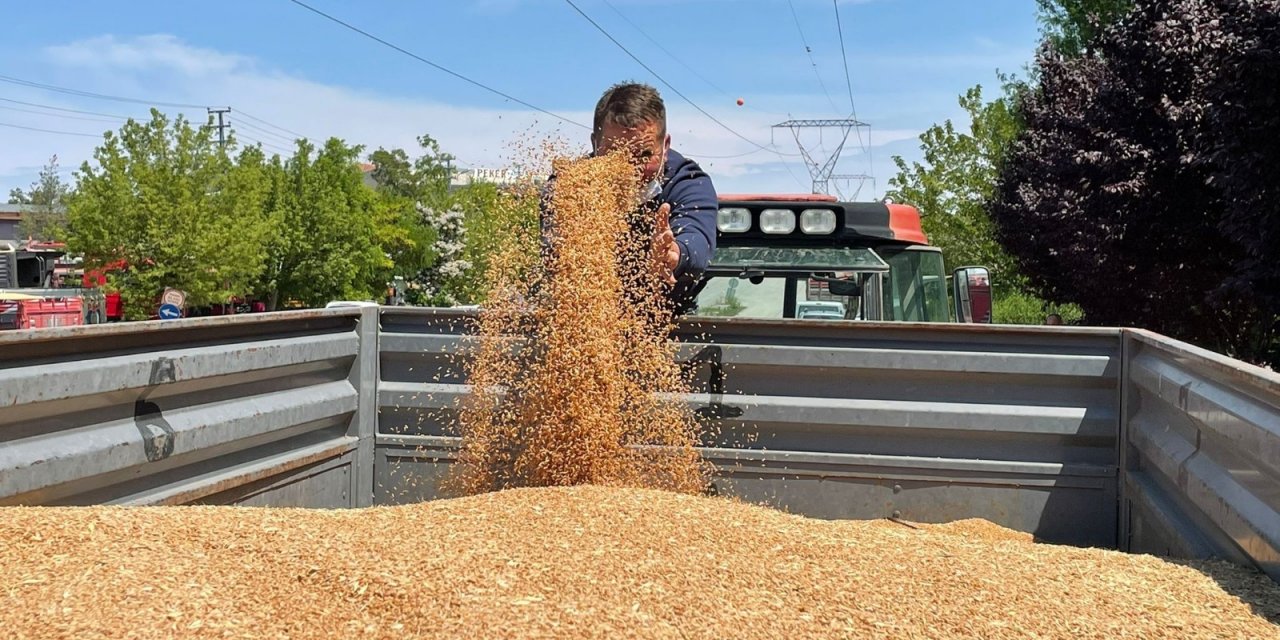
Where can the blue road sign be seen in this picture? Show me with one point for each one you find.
(170, 312)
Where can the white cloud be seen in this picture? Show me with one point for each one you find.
(163, 67)
(146, 53)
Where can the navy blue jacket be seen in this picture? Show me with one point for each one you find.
(688, 189)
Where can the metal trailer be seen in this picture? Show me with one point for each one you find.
(1105, 437)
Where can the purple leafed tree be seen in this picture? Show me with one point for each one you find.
(1146, 184)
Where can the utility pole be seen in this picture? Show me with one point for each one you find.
(222, 125)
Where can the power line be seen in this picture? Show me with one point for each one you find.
(663, 80)
(436, 66)
(265, 132)
(296, 135)
(735, 155)
(49, 106)
(664, 49)
(100, 96)
(104, 118)
(56, 115)
(680, 60)
(844, 56)
(267, 145)
(809, 51)
(65, 133)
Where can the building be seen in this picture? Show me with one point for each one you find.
(10, 216)
(366, 174)
(500, 177)
(460, 177)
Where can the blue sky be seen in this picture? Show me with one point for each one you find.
(280, 64)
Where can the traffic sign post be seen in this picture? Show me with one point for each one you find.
(170, 312)
(174, 297)
(171, 303)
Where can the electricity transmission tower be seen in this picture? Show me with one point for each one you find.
(822, 169)
(852, 185)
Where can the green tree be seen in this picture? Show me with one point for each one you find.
(167, 200)
(424, 180)
(1144, 184)
(46, 216)
(403, 235)
(487, 226)
(957, 177)
(1071, 26)
(427, 224)
(955, 183)
(325, 243)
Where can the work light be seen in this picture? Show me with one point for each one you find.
(777, 221)
(733, 220)
(817, 221)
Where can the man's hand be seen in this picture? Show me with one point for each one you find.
(666, 251)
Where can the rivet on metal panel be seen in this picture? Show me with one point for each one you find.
(897, 488)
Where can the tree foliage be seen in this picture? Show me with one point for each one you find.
(324, 245)
(46, 216)
(1022, 308)
(494, 218)
(423, 180)
(952, 184)
(1071, 25)
(180, 211)
(437, 222)
(1145, 184)
(167, 200)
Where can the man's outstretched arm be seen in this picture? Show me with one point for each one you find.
(693, 224)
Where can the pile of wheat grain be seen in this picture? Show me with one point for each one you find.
(590, 396)
(586, 562)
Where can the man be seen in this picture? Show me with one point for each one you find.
(631, 117)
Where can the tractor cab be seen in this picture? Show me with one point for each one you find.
(811, 257)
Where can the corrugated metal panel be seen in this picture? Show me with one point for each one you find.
(1202, 471)
(8, 266)
(261, 408)
(930, 423)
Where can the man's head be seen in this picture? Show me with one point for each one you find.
(631, 116)
(1053, 319)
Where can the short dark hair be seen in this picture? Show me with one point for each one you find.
(630, 104)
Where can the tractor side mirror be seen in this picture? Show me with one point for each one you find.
(971, 289)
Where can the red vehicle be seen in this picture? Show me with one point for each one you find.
(114, 306)
(21, 311)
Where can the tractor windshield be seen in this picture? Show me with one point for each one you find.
(895, 283)
(792, 282)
